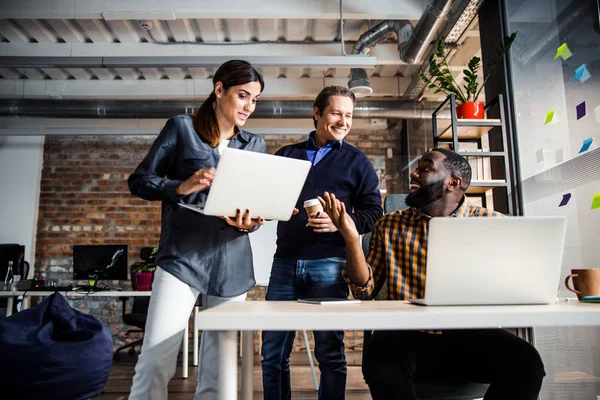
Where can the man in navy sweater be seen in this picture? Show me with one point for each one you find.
(310, 252)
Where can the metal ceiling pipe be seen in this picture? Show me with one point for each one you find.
(413, 51)
(381, 32)
(145, 109)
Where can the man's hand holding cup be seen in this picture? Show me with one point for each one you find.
(317, 218)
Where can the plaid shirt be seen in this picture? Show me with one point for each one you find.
(398, 253)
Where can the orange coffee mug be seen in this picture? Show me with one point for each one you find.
(586, 282)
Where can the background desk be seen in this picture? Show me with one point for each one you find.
(382, 315)
(68, 294)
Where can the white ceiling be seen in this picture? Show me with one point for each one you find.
(89, 49)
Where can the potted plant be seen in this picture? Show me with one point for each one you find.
(442, 80)
(143, 271)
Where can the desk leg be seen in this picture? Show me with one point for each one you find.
(227, 365)
(185, 345)
(195, 336)
(9, 305)
(531, 335)
(247, 364)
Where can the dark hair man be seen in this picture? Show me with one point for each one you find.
(393, 359)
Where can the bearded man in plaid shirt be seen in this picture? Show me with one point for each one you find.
(397, 256)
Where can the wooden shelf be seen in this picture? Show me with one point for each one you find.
(469, 128)
(480, 186)
(469, 140)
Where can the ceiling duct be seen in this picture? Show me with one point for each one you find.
(412, 43)
(458, 22)
(166, 109)
(413, 51)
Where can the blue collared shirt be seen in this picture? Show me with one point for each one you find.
(316, 154)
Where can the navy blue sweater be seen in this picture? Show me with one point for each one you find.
(344, 171)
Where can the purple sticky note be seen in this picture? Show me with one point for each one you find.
(565, 199)
(581, 110)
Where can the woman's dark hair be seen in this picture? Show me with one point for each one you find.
(231, 73)
(322, 99)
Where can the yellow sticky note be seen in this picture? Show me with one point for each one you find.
(549, 117)
(563, 51)
(596, 201)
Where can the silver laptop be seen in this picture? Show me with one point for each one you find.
(267, 185)
(480, 261)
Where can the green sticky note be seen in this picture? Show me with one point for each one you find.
(596, 201)
(563, 51)
(549, 117)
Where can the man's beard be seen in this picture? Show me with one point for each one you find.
(426, 195)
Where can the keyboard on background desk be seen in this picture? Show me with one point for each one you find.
(68, 288)
(90, 288)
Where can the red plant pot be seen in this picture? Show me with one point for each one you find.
(470, 110)
(143, 280)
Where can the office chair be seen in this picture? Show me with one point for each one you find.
(426, 389)
(139, 311)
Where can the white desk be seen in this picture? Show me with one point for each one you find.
(77, 295)
(382, 315)
(68, 294)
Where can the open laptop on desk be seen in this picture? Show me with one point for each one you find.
(485, 261)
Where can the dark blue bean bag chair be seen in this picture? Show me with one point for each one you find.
(54, 352)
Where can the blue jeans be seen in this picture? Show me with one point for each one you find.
(305, 279)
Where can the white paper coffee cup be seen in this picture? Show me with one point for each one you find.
(312, 206)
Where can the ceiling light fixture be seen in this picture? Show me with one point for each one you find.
(359, 83)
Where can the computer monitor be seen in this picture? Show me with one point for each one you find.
(14, 253)
(100, 262)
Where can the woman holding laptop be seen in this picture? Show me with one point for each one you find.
(197, 254)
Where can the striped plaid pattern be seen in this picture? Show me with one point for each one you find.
(398, 253)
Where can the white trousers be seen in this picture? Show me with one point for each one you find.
(171, 304)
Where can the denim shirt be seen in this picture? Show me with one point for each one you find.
(202, 251)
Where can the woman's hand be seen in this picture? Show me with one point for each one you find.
(339, 217)
(244, 221)
(197, 182)
(321, 223)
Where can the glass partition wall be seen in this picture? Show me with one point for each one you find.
(555, 68)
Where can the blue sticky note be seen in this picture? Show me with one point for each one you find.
(580, 110)
(582, 74)
(565, 199)
(586, 145)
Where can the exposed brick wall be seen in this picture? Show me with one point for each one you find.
(84, 199)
